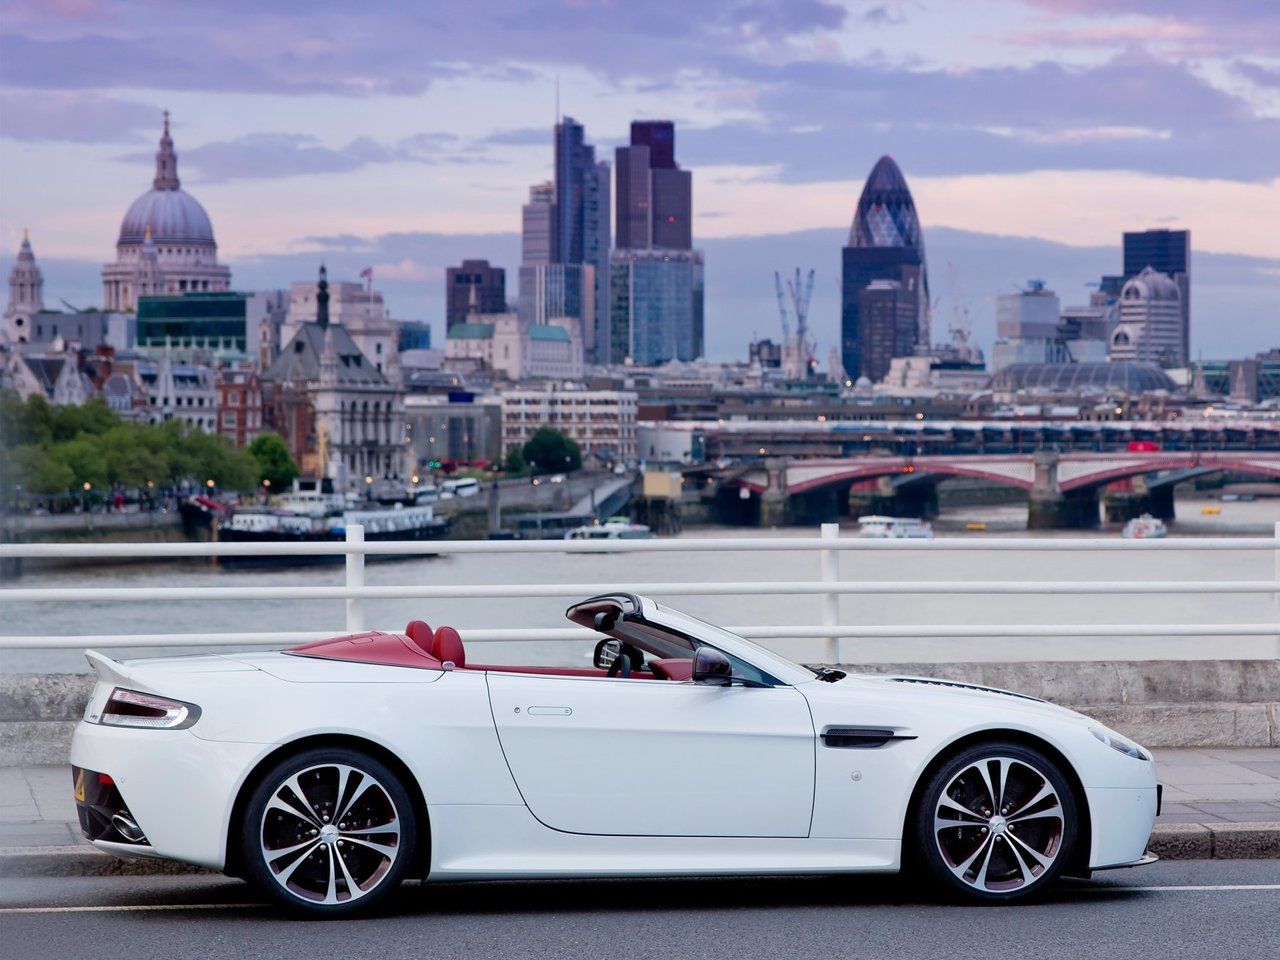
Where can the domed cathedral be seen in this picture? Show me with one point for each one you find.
(166, 243)
(26, 284)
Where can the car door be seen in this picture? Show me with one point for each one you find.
(657, 758)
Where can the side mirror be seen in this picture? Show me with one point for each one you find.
(606, 652)
(711, 667)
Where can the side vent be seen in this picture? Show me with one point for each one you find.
(862, 738)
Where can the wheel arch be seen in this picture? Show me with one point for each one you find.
(1079, 863)
(422, 855)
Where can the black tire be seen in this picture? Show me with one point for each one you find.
(999, 852)
(314, 862)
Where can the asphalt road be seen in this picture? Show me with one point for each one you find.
(1218, 909)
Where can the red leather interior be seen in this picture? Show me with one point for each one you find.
(672, 669)
(447, 646)
(408, 649)
(420, 633)
(391, 649)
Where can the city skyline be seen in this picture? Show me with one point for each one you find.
(780, 121)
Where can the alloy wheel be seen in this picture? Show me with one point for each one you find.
(999, 824)
(330, 833)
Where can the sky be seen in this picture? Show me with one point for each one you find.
(405, 136)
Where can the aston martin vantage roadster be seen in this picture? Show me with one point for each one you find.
(328, 773)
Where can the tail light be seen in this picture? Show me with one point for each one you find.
(130, 708)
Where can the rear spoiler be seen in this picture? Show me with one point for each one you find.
(108, 670)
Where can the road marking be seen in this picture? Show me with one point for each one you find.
(144, 907)
(139, 907)
(1192, 887)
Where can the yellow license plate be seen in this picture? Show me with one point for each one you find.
(80, 786)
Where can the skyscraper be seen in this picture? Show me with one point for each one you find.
(885, 243)
(655, 197)
(580, 236)
(1167, 252)
(538, 224)
(656, 288)
(474, 287)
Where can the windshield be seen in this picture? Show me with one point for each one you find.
(711, 632)
(676, 635)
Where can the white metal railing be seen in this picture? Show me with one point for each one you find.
(829, 587)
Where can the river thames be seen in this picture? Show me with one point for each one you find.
(1255, 518)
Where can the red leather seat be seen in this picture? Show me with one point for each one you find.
(447, 646)
(420, 633)
(672, 669)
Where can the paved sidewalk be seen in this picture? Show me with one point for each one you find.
(1205, 786)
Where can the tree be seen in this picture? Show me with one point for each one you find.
(550, 451)
(515, 461)
(274, 462)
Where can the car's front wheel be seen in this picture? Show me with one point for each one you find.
(328, 832)
(996, 823)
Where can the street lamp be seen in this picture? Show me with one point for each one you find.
(209, 484)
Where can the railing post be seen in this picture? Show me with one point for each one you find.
(1276, 598)
(831, 600)
(355, 577)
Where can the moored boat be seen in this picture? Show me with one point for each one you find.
(894, 528)
(615, 528)
(1145, 527)
(313, 513)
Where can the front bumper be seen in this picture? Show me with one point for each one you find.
(1122, 819)
(179, 789)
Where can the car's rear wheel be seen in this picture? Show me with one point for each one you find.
(996, 823)
(329, 832)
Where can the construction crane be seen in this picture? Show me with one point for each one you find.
(782, 308)
(797, 351)
(800, 302)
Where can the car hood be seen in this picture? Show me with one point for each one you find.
(940, 691)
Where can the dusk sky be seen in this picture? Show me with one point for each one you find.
(363, 132)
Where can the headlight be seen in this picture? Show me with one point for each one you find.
(130, 708)
(1117, 742)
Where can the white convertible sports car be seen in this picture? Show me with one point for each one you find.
(329, 773)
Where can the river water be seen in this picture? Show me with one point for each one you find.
(1255, 518)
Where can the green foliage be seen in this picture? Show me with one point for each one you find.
(273, 460)
(55, 450)
(515, 461)
(550, 451)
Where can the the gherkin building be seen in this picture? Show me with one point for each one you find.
(884, 300)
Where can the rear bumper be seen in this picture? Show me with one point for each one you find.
(178, 788)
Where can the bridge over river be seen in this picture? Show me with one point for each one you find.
(1063, 488)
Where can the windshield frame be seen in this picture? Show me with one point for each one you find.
(772, 668)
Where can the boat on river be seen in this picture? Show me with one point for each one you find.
(313, 513)
(1145, 527)
(894, 528)
(615, 528)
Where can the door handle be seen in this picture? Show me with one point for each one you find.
(550, 711)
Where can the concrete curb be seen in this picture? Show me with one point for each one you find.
(84, 861)
(1216, 841)
(1170, 841)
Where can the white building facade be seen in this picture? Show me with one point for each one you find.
(601, 422)
(1150, 326)
(506, 345)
